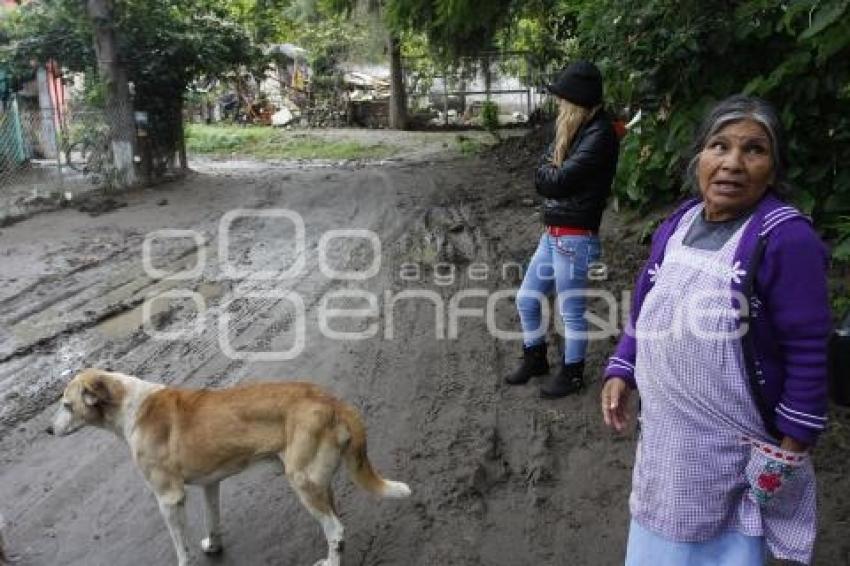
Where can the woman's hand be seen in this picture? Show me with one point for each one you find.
(615, 400)
(793, 445)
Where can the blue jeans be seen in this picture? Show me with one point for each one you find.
(560, 264)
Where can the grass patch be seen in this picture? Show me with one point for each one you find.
(469, 146)
(272, 143)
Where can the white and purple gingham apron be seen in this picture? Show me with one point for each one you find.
(689, 483)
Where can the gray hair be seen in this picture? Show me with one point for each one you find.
(734, 109)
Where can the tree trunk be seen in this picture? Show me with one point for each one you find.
(47, 111)
(119, 109)
(181, 138)
(398, 97)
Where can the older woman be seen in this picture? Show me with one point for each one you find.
(574, 176)
(727, 348)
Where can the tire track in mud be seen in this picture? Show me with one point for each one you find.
(443, 234)
(197, 362)
(109, 296)
(50, 281)
(106, 297)
(85, 304)
(488, 464)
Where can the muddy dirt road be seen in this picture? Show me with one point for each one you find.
(499, 477)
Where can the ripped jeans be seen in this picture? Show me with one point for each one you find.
(560, 264)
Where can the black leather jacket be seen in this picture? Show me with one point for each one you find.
(576, 192)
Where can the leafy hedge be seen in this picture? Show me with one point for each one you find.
(674, 59)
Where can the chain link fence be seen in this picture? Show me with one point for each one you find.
(48, 155)
(456, 95)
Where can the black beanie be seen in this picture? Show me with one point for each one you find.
(580, 83)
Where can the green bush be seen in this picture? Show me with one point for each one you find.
(468, 146)
(490, 116)
(674, 60)
(841, 251)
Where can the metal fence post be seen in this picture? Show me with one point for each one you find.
(528, 83)
(445, 97)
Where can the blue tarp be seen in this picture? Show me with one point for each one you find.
(12, 151)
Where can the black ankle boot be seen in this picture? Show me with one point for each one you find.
(534, 362)
(569, 380)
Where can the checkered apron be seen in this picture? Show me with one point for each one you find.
(689, 483)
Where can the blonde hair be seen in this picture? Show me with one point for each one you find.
(571, 117)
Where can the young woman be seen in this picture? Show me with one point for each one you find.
(574, 177)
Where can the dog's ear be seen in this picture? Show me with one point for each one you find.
(96, 392)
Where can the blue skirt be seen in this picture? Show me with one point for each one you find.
(732, 548)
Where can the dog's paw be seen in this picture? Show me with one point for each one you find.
(327, 562)
(211, 545)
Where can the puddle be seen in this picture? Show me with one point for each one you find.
(210, 290)
(212, 165)
(126, 323)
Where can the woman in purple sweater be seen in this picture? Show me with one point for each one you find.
(727, 348)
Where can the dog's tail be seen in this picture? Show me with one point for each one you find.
(357, 460)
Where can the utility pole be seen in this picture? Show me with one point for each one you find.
(119, 109)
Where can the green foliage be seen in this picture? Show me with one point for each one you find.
(166, 48)
(162, 43)
(39, 31)
(652, 158)
(468, 146)
(163, 46)
(649, 228)
(841, 251)
(332, 40)
(490, 116)
(546, 29)
(453, 27)
(421, 68)
(94, 91)
(675, 59)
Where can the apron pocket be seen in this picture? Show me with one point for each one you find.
(775, 475)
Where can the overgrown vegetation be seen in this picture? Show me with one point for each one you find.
(468, 146)
(675, 59)
(163, 46)
(490, 116)
(681, 58)
(269, 143)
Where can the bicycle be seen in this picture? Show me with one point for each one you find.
(91, 153)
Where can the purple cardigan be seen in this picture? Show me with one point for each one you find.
(790, 318)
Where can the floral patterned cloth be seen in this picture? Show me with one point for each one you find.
(771, 470)
(694, 478)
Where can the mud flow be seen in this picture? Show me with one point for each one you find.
(499, 476)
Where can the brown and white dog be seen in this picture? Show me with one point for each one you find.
(182, 436)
